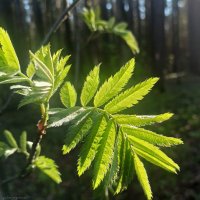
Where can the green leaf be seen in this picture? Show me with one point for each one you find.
(141, 120)
(77, 132)
(68, 95)
(120, 27)
(121, 158)
(65, 116)
(129, 39)
(128, 166)
(114, 84)
(11, 79)
(41, 69)
(111, 176)
(9, 62)
(60, 76)
(34, 97)
(8, 152)
(130, 97)
(151, 137)
(30, 71)
(153, 154)
(105, 154)
(3, 148)
(142, 177)
(10, 139)
(111, 23)
(90, 86)
(23, 141)
(91, 145)
(48, 167)
(89, 18)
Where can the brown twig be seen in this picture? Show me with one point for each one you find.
(64, 15)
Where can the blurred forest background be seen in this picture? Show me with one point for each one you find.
(168, 33)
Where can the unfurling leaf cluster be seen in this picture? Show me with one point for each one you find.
(98, 25)
(44, 74)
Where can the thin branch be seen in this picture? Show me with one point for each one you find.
(64, 15)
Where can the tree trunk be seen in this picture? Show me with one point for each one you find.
(175, 36)
(194, 34)
(158, 39)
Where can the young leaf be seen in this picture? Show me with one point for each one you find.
(153, 154)
(90, 86)
(151, 137)
(3, 148)
(68, 95)
(114, 84)
(30, 71)
(48, 166)
(60, 76)
(120, 26)
(9, 62)
(91, 145)
(142, 120)
(129, 39)
(105, 154)
(130, 97)
(77, 132)
(142, 176)
(41, 69)
(33, 97)
(10, 139)
(23, 141)
(11, 79)
(89, 18)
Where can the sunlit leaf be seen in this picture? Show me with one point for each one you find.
(114, 84)
(142, 177)
(9, 62)
(130, 97)
(48, 167)
(68, 95)
(90, 86)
